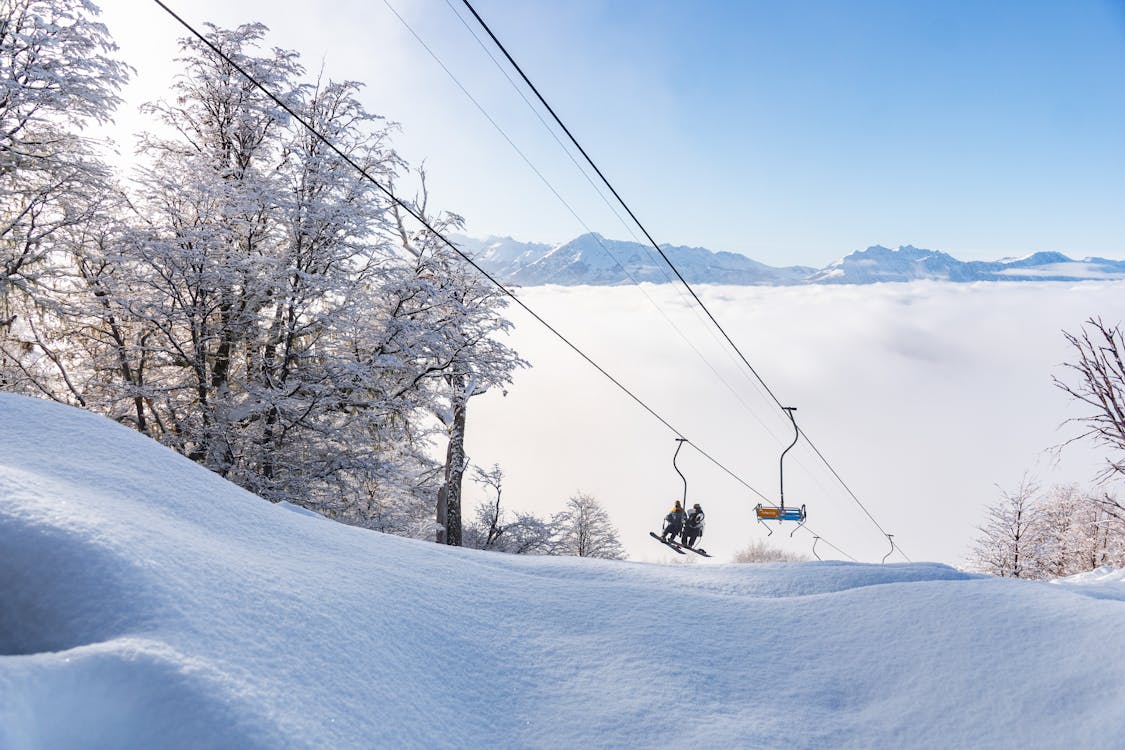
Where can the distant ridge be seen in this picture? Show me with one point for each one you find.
(585, 261)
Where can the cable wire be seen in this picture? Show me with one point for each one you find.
(434, 56)
(630, 228)
(663, 255)
(426, 224)
(449, 73)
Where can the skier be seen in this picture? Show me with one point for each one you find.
(693, 526)
(673, 523)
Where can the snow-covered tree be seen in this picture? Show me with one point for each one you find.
(1099, 539)
(1100, 387)
(489, 526)
(1010, 541)
(1054, 534)
(1100, 366)
(249, 298)
(465, 315)
(497, 528)
(206, 248)
(584, 529)
(74, 344)
(286, 320)
(1064, 518)
(58, 74)
(1065, 531)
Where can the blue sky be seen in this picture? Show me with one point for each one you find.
(791, 132)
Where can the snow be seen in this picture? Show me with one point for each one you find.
(1068, 270)
(591, 259)
(148, 603)
(1098, 575)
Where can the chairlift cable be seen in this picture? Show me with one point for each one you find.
(597, 238)
(531, 107)
(422, 220)
(578, 218)
(630, 228)
(653, 242)
(830, 544)
(593, 185)
(616, 195)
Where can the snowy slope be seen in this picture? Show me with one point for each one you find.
(148, 603)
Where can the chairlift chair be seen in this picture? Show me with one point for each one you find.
(781, 513)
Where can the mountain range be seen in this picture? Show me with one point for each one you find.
(591, 259)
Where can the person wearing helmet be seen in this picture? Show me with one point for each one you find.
(673, 523)
(693, 526)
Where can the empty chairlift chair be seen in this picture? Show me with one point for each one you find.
(781, 513)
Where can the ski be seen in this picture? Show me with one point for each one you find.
(673, 545)
(696, 550)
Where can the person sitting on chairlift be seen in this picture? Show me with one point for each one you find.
(693, 526)
(673, 523)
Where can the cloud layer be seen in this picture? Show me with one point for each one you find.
(923, 397)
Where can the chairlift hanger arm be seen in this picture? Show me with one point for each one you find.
(680, 442)
(891, 539)
(781, 461)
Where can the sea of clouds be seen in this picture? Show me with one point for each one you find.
(926, 398)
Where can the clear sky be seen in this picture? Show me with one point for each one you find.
(793, 132)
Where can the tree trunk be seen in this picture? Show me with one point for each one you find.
(455, 460)
(441, 509)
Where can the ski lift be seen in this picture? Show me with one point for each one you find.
(781, 513)
(891, 539)
(680, 442)
(683, 504)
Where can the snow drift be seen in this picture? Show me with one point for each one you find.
(148, 603)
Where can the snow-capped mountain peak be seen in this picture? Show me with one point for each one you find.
(592, 259)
